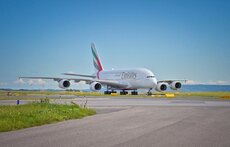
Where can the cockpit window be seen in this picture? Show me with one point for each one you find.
(150, 76)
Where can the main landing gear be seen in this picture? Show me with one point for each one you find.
(123, 92)
(134, 92)
(109, 92)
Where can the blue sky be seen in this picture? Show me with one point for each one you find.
(181, 39)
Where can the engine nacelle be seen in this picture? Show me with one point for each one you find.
(95, 86)
(64, 84)
(175, 85)
(161, 87)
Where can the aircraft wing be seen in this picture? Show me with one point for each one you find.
(80, 75)
(111, 83)
(103, 82)
(170, 81)
(46, 78)
(59, 79)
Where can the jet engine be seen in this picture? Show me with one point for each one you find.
(175, 85)
(95, 86)
(64, 84)
(161, 87)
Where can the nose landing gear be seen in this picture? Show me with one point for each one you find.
(149, 92)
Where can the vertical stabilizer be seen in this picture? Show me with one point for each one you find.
(96, 60)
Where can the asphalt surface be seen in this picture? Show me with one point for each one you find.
(133, 122)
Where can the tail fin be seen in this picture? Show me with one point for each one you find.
(96, 61)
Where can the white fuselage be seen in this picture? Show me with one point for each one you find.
(139, 78)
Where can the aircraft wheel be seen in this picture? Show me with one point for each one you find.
(107, 92)
(113, 92)
(134, 93)
(123, 92)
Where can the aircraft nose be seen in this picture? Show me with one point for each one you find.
(154, 82)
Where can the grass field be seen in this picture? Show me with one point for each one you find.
(31, 95)
(35, 114)
(27, 93)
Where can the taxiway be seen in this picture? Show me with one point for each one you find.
(133, 122)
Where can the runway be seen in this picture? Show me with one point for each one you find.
(133, 122)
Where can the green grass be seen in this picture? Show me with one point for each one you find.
(32, 93)
(35, 114)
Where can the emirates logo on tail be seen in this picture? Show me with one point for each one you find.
(96, 60)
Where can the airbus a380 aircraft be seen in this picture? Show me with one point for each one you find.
(123, 80)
